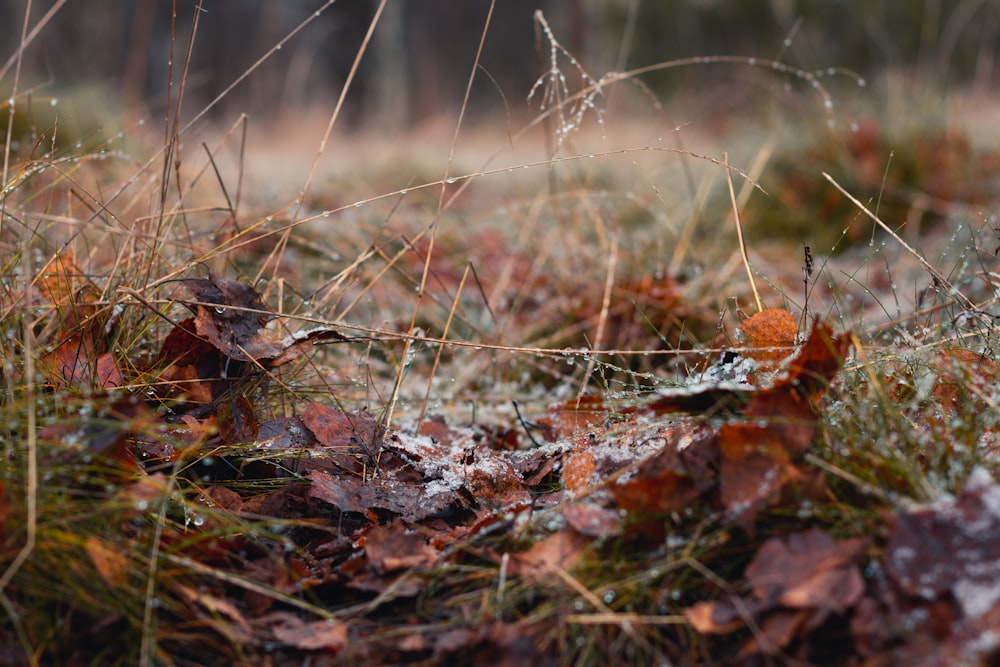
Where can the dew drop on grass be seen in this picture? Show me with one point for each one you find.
(53, 102)
(862, 83)
(609, 597)
(358, 205)
(751, 61)
(403, 192)
(451, 180)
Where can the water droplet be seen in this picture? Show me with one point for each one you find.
(828, 104)
(358, 205)
(451, 180)
(53, 102)
(862, 83)
(403, 192)
(220, 310)
(609, 597)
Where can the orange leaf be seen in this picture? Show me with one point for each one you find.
(770, 337)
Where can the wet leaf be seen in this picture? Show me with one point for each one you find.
(342, 431)
(229, 314)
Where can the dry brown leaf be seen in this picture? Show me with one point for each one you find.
(797, 583)
(568, 418)
(395, 547)
(61, 278)
(755, 466)
(560, 550)
(110, 563)
(324, 635)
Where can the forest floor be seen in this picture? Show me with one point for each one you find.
(528, 392)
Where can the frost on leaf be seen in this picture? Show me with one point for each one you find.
(770, 337)
(951, 546)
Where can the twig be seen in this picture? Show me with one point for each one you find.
(31, 444)
(920, 258)
(739, 232)
(609, 284)
(437, 217)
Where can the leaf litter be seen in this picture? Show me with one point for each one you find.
(384, 511)
(367, 518)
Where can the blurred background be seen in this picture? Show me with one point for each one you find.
(422, 50)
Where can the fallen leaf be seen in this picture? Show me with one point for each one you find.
(232, 315)
(228, 314)
(755, 465)
(560, 550)
(323, 635)
(61, 279)
(670, 480)
(723, 616)
(951, 547)
(110, 563)
(797, 583)
(807, 570)
(565, 419)
(770, 337)
(339, 430)
(395, 547)
(591, 519)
